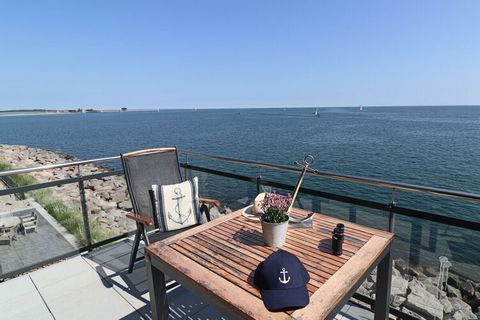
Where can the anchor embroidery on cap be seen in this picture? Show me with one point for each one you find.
(284, 280)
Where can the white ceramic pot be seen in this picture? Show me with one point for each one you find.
(274, 234)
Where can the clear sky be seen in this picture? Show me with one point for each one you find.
(61, 54)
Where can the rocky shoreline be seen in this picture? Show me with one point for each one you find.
(414, 290)
(107, 198)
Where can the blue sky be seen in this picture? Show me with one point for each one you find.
(175, 54)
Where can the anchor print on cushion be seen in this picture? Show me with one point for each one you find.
(177, 205)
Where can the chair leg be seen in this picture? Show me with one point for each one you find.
(133, 255)
(145, 235)
(204, 208)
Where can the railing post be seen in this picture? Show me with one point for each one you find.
(352, 214)
(391, 217)
(83, 203)
(259, 178)
(186, 165)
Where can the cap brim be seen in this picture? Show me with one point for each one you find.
(285, 298)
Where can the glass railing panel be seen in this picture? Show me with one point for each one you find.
(451, 207)
(107, 203)
(235, 194)
(417, 251)
(39, 227)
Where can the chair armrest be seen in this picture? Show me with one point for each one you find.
(211, 202)
(140, 218)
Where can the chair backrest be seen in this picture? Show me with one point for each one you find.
(146, 167)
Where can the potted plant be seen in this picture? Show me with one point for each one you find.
(275, 218)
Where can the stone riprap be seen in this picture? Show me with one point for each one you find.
(107, 198)
(414, 291)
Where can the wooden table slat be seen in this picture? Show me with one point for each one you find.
(260, 256)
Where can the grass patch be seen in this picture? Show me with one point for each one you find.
(69, 218)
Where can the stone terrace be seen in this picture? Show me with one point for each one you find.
(97, 286)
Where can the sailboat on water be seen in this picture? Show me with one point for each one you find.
(361, 108)
(316, 114)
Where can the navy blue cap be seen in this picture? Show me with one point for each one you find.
(282, 280)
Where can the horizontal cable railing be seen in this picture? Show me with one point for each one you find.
(348, 178)
(462, 223)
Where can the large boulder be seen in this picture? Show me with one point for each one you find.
(401, 265)
(447, 306)
(474, 301)
(453, 280)
(460, 308)
(453, 292)
(397, 301)
(395, 272)
(466, 288)
(461, 315)
(399, 287)
(411, 313)
(423, 302)
(431, 271)
(433, 289)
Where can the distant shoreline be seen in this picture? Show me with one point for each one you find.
(19, 114)
(16, 113)
(49, 113)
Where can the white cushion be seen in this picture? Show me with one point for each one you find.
(177, 205)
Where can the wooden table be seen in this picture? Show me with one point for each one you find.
(217, 262)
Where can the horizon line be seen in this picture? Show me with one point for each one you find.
(223, 108)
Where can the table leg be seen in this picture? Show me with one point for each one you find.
(384, 279)
(157, 289)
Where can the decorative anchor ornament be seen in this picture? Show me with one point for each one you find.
(443, 275)
(178, 197)
(284, 280)
(307, 221)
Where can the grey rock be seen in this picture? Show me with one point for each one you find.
(395, 272)
(125, 205)
(369, 285)
(397, 301)
(118, 196)
(466, 288)
(459, 304)
(104, 195)
(372, 277)
(433, 289)
(461, 315)
(215, 213)
(474, 301)
(476, 286)
(453, 292)
(415, 272)
(423, 302)
(431, 271)
(478, 315)
(364, 291)
(447, 306)
(411, 313)
(398, 287)
(453, 280)
(401, 265)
